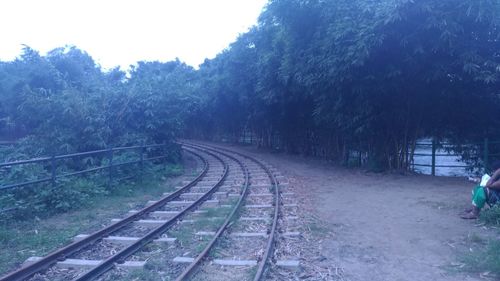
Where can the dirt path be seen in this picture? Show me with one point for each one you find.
(384, 226)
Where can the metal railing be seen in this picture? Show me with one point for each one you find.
(480, 151)
(52, 164)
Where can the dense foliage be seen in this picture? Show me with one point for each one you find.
(320, 78)
(328, 77)
(64, 103)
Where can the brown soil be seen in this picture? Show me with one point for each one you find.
(379, 227)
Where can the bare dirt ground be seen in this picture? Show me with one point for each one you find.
(382, 227)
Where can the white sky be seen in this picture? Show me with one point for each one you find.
(122, 32)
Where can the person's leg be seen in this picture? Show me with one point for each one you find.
(469, 209)
(479, 197)
(478, 201)
(473, 198)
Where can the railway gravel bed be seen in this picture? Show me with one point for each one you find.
(241, 251)
(160, 259)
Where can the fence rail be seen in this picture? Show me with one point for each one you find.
(52, 163)
(482, 153)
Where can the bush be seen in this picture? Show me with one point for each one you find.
(491, 216)
(42, 200)
(69, 195)
(72, 192)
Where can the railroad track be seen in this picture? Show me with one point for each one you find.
(259, 207)
(206, 229)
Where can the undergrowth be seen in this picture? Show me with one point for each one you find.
(486, 254)
(485, 259)
(37, 234)
(73, 193)
(491, 216)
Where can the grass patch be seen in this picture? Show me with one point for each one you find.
(215, 213)
(219, 247)
(485, 259)
(134, 275)
(209, 224)
(145, 275)
(200, 247)
(317, 228)
(21, 239)
(491, 216)
(252, 272)
(476, 239)
(185, 234)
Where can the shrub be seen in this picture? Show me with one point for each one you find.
(491, 216)
(70, 193)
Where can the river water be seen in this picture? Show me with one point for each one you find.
(449, 159)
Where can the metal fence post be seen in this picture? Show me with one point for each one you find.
(433, 168)
(485, 156)
(346, 157)
(142, 162)
(110, 155)
(164, 153)
(53, 170)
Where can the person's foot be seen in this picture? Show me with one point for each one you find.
(469, 216)
(466, 211)
(473, 214)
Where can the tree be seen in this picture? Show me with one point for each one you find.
(329, 77)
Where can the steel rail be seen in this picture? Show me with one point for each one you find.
(27, 271)
(189, 270)
(270, 244)
(120, 256)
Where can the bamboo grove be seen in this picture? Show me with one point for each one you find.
(318, 78)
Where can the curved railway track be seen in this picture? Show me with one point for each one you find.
(270, 232)
(255, 205)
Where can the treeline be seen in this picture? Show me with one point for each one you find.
(319, 78)
(63, 102)
(327, 78)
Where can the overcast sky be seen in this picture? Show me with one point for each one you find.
(122, 32)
